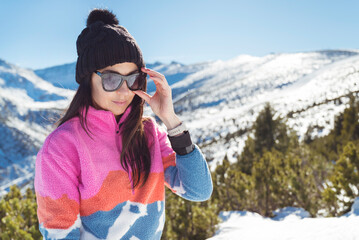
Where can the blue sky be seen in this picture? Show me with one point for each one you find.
(42, 33)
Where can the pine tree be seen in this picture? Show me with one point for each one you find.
(305, 173)
(343, 184)
(264, 130)
(346, 128)
(189, 220)
(350, 129)
(18, 215)
(231, 187)
(247, 157)
(269, 133)
(268, 181)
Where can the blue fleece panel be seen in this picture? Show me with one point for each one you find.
(197, 187)
(73, 235)
(140, 227)
(100, 228)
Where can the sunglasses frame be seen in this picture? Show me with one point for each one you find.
(124, 79)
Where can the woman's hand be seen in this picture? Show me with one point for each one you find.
(161, 102)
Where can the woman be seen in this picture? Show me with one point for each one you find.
(101, 173)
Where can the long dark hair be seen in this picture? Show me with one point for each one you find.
(135, 153)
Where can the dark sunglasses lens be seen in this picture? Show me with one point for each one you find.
(135, 81)
(111, 81)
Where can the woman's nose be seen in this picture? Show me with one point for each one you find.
(123, 90)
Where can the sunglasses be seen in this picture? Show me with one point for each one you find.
(112, 81)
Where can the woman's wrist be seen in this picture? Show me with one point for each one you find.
(171, 121)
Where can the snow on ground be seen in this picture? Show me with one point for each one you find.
(289, 224)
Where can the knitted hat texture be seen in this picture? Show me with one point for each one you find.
(104, 43)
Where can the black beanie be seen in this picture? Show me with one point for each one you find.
(104, 43)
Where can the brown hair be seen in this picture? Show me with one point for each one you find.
(135, 153)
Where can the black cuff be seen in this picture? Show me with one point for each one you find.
(182, 144)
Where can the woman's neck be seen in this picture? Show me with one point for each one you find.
(118, 117)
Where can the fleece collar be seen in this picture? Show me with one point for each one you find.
(104, 120)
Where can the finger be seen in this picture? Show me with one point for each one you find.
(151, 72)
(160, 84)
(157, 79)
(145, 96)
(154, 76)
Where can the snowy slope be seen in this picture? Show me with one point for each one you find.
(226, 97)
(63, 76)
(294, 225)
(174, 72)
(60, 76)
(27, 104)
(216, 99)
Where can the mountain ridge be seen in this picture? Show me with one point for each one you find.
(218, 100)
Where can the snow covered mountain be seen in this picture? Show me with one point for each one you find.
(63, 76)
(218, 100)
(60, 76)
(27, 104)
(221, 102)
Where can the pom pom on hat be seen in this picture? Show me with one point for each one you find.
(104, 15)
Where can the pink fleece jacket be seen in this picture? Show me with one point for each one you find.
(84, 193)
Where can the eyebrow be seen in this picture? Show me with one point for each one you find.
(111, 71)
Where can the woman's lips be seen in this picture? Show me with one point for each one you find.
(119, 103)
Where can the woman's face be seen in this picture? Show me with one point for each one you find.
(116, 101)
